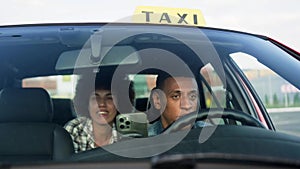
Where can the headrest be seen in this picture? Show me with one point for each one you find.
(25, 105)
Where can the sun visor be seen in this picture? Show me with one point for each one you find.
(110, 56)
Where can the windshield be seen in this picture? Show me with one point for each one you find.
(152, 85)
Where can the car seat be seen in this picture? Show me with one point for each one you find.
(63, 111)
(27, 133)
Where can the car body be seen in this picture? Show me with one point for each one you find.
(241, 133)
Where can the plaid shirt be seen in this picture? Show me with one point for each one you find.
(81, 131)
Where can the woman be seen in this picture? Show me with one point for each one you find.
(94, 103)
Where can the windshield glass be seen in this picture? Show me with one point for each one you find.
(153, 84)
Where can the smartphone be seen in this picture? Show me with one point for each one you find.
(132, 124)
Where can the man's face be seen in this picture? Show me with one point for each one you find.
(181, 98)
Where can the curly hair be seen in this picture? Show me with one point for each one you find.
(88, 84)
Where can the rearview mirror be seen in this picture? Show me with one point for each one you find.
(116, 55)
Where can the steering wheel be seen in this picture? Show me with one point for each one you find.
(209, 114)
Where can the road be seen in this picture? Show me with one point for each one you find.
(287, 120)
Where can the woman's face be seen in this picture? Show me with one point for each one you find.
(101, 107)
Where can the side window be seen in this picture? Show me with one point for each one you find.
(61, 86)
(281, 99)
(143, 84)
(216, 85)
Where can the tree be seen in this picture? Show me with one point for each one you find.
(267, 101)
(275, 100)
(296, 99)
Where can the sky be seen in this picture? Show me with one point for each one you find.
(279, 19)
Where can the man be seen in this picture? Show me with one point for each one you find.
(173, 97)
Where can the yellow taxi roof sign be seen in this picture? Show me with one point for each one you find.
(166, 15)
